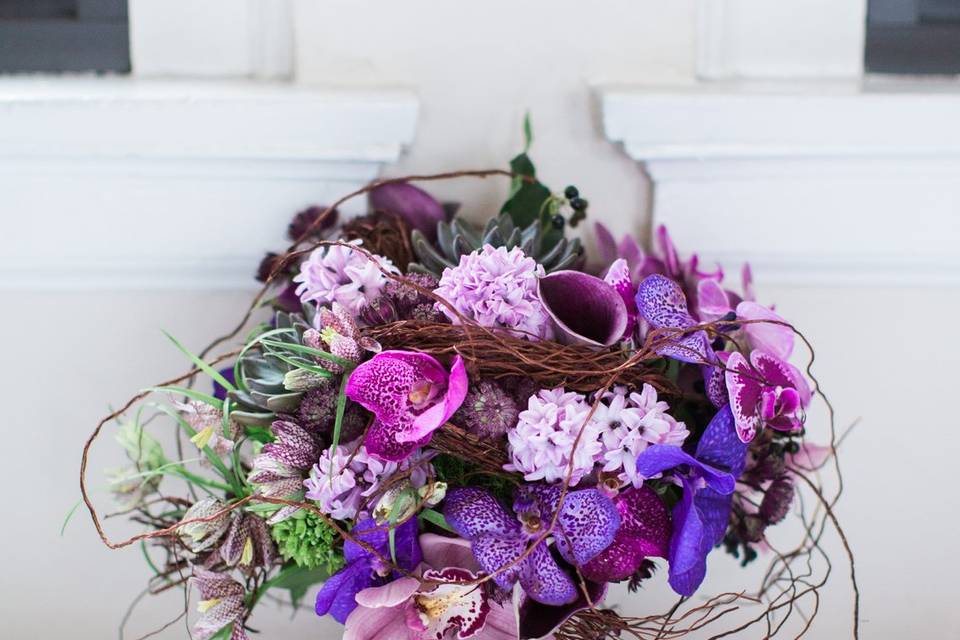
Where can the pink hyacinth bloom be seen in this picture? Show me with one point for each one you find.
(497, 288)
(410, 394)
(450, 607)
(340, 274)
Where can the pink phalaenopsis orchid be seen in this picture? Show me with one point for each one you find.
(410, 394)
(766, 391)
(446, 603)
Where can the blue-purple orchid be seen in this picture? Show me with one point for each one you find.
(708, 478)
(587, 523)
(410, 394)
(364, 569)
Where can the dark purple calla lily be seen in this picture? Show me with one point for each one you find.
(585, 309)
(415, 206)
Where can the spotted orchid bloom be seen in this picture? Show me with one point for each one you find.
(662, 303)
(365, 569)
(443, 602)
(644, 532)
(410, 394)
(222, 603)
(708, 479)
(766, 391)
(586, 525)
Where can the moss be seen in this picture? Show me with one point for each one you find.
(308, 541)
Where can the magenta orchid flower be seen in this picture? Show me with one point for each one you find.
(410, 394)
(644, 532)
(444, 602)
(766, 391)
(586, 525)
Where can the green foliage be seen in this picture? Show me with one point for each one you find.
(308, 541)
(459, 473)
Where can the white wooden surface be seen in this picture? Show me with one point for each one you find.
(824, 184)
(138, 184)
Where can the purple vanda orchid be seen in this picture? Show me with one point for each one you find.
(708, 478)
(444, 602)
(766, 391)
(586, 525)
(410, 394)
(662, 303)
(644, 532)
(365, 569)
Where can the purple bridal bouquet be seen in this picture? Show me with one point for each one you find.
(443, 430)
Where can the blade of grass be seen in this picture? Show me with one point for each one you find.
(206, 368)
(211, 455)
(69, 516)
(299, 348)
(436, 518)
(190, 393)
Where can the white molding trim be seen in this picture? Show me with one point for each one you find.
(825, 183)
(120, 183)
(212, 38)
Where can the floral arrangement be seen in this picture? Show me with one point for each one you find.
(440, 430)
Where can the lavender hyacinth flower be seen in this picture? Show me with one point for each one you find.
(708, 478)
(410, 394)
(364, 569)
(586, 525)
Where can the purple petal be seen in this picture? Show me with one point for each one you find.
(744, 391)
(382, 385)
(775, 339)
(714, 380)
(778, 373)
(712, 300)
(368, 531)
(444, 551)
(471, 511)
(714, 509)
(435, 417)
(588, 523)
(219, 392)
(585, 309)
(415, 206)
(662, 457)
(338, 594)
(687, 559)
(462, 609)
(644, 531)
(720, 445)
(631, 251)
(543, 579)
(606, 245)
(746, 277)
(540, 621)
(618, 277)
(671, 261)
(494, 551)
(366, 623)
(661, 302)
(382, 441)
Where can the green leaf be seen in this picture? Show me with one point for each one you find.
(206, 368)
(527, 132)
(259, 434)
(69, 516)
(526, 198)
(190, 393)
(341, 408)
(436, 518)
(299, 348)
(296, 580)
(223, 634)
(207, 451)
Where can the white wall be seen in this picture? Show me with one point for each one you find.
(475, 68)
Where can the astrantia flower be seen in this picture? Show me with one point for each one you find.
(340, 274)
(222, 602)
(497, 288)
(410, 394)
(342, 480)
(318, 410)
(488, 410)
(585, 526)
(542, 440)
(401, 301)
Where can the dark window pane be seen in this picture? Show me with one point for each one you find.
(913, 37)
(64, 35)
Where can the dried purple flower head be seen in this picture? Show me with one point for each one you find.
(306, 221)
(267, 266)
(222, 602)
(488, 410)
